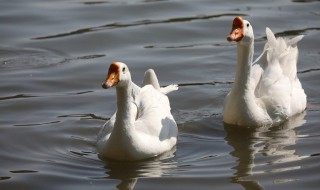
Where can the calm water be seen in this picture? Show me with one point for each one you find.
(55, 54)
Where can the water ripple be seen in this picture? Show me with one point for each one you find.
(18, 96)
(23, 171)
(296, 32)
(137, 23)
(4, 178)
(85, 116)
(309, 70)
(204, 83)
(36, 124)
(187, 45)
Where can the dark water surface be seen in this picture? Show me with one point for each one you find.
(55, 54)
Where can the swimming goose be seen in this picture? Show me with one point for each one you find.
(143, 126)
(268, 91)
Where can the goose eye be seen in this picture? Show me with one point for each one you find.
(248, 25)
(123, 69)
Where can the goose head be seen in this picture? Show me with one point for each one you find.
(241, 32)
(118, 75)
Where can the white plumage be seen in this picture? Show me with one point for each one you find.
(142, 126)
(268, 91)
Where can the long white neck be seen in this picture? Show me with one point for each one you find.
(241, 108)
(243, 73)
(126, 109)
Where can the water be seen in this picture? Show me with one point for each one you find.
(55, 54)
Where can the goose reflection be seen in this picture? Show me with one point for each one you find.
(259, 151)
(129, 172)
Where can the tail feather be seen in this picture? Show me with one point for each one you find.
(295, 40)
(150, 77)
(168, 89)
(271, 38)
(283, 51)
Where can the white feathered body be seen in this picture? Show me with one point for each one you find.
(273, 92)
(142, 127)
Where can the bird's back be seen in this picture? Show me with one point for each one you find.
(279, 87)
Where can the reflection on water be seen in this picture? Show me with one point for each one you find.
(129, 172)
(265, 148)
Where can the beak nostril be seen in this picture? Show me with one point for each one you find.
(103, 85)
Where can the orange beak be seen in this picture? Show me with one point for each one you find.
(236, 33)
(113, 77)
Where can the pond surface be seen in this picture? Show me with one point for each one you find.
(55, 54)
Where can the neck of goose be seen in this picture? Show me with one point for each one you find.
(241, 85)
(126, 109)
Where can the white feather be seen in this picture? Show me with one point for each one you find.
(143, 125)
(273, 91)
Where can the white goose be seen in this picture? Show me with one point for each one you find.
(142, 126)
(268, 91)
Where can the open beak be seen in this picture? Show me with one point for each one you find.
(113, 77)
(236, 33)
